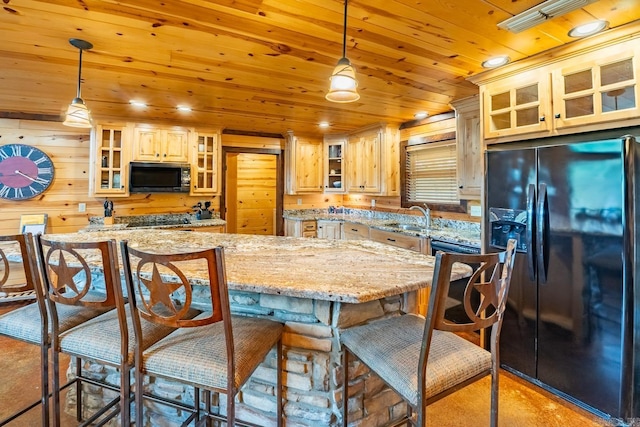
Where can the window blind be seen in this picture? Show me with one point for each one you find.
(431, 173)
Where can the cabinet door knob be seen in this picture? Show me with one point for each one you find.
(557, 116)
(157, 154)
(461, 186)
(542, 119)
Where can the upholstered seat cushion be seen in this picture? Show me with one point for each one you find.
(99, 338)
(198, 355)
(24, 323)
(391, 347)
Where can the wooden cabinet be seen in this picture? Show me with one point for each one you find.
(109, 161)
(517, 105)
(304, 165)
(414, 243)
(469, 145)
(353, 231)
(601, 86)
(363, 162)
(329, 229)
(372, 161)
(300, 228)
(152, 144)
(334, 172)
(593, 88)
(205, 163)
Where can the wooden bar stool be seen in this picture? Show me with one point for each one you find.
(424, 360)
(28, 323)
(85, 276)
(215, 351)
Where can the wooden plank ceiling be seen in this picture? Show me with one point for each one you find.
(262, 65)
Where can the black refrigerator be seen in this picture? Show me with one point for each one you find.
(571, 202)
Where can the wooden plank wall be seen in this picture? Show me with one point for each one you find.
(69, 151)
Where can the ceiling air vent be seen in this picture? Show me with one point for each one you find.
(541, 13)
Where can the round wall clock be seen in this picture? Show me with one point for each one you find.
(25, 171)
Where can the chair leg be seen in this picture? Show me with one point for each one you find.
(55, 392)
(44, 383)
(196, 404)
(279, 422)
(231, 406)
(78, 389)
(345, 389)
(139, 398)
(495, 390)
(125, 395)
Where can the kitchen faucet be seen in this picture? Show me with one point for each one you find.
(426, 212)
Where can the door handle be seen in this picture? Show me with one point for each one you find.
(542, 233)
(529, 235)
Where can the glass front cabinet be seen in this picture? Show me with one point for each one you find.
(110, 161)
(334, 164)
(583, 89)
(597, 88)
(205, 176)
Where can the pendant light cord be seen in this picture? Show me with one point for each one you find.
(344, 34)
(79, 74)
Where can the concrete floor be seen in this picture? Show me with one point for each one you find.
(521, 403)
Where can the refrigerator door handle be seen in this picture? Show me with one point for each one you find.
(531, 226)
(542, 233)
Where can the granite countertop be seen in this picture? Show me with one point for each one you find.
(333, 270)
(448, 232)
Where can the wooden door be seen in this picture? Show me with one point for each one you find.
(251, 191)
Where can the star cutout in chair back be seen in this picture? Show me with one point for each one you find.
(160, 293)
(65, 274)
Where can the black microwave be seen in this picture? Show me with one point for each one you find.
(159, 177)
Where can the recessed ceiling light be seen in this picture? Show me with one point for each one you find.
(137, 103)
(184, 108)
(588, 29)
(420, 115)
(323, 125)
(496, 61)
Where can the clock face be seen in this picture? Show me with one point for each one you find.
(25, 171)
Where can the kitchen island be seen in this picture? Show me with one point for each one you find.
(316, 288)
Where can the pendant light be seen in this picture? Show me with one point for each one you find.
(78, 115)
(343, 80)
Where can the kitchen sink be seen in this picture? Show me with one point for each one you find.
(405, 227)
(409, 227)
